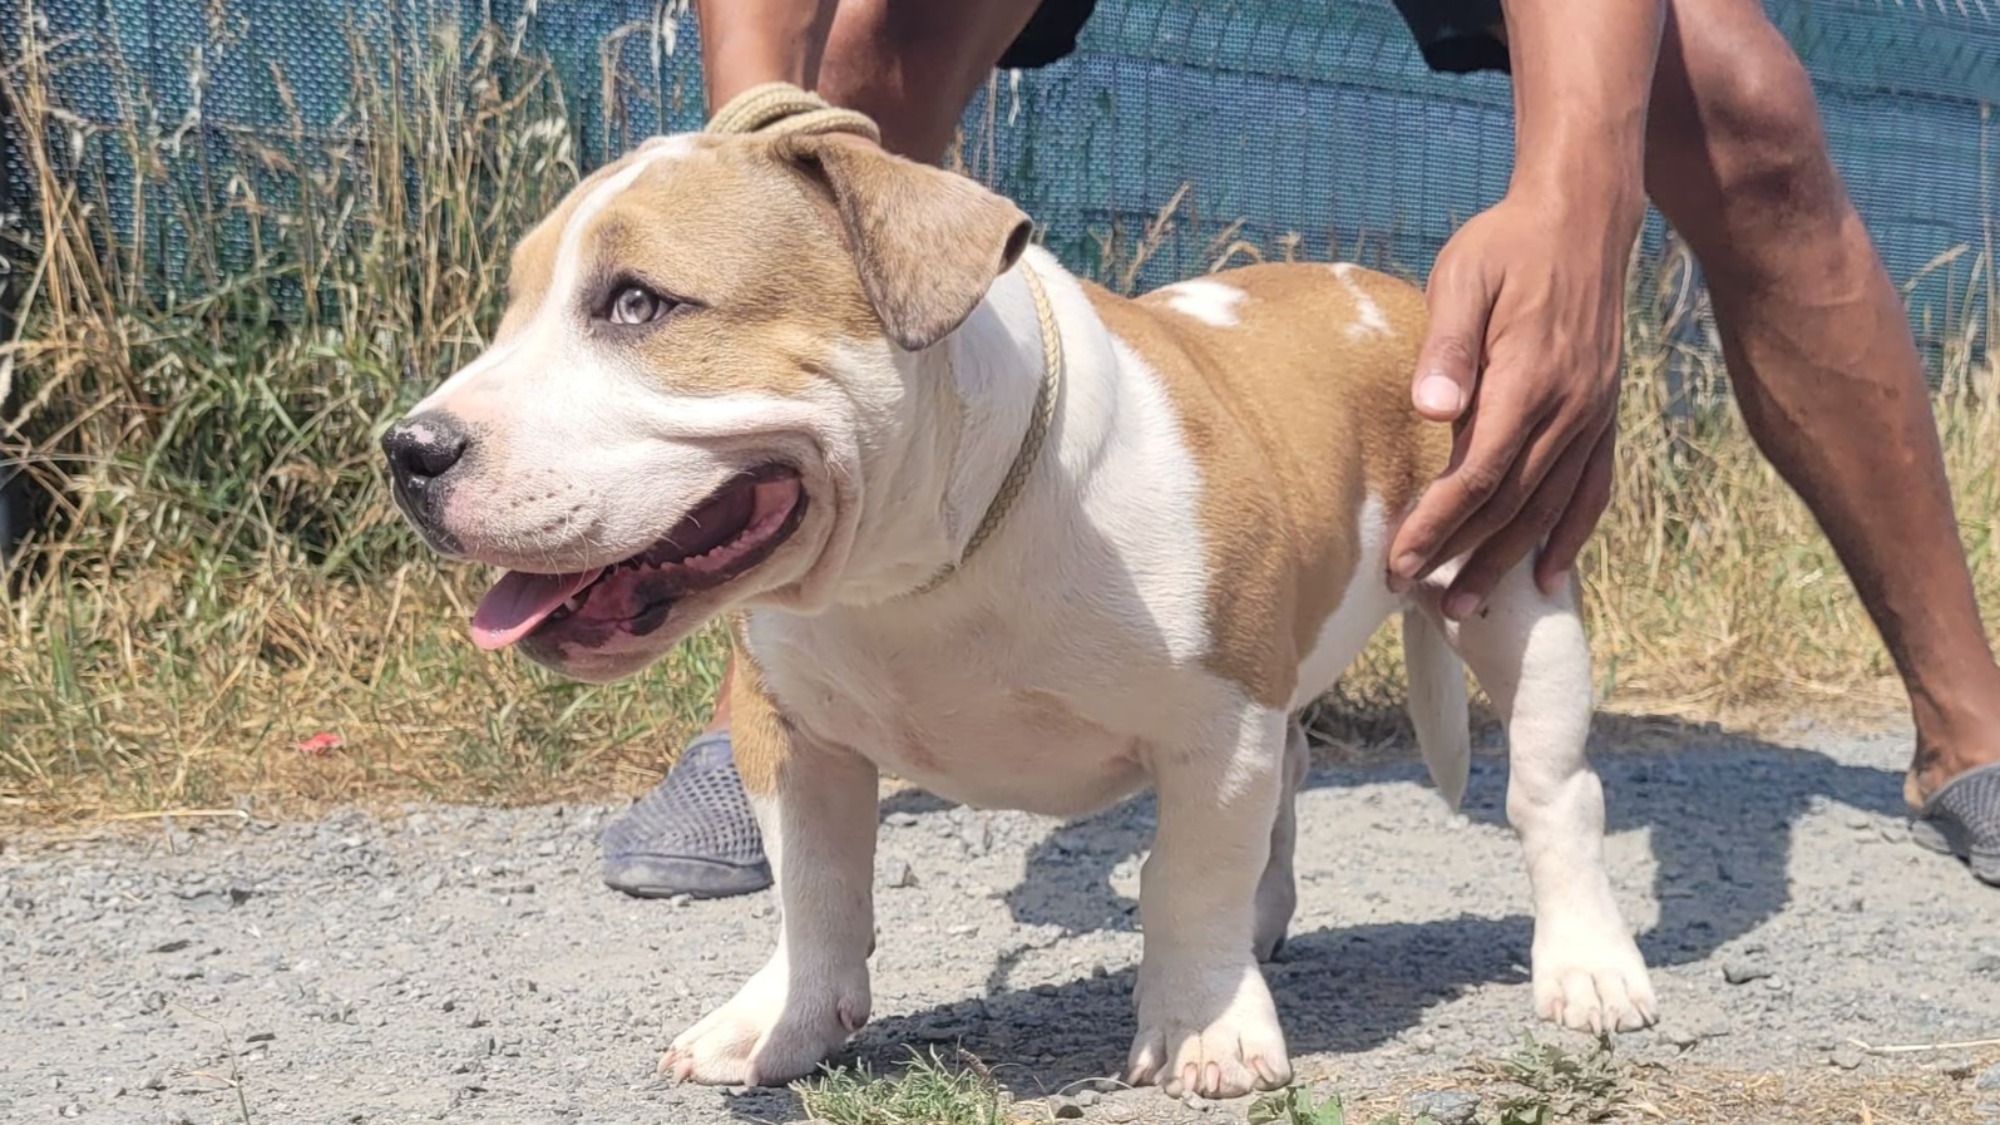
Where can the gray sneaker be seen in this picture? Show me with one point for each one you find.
(694, 834)
(1963, 819)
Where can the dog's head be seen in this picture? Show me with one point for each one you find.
(707, 346)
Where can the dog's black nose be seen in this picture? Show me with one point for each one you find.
(421, 450)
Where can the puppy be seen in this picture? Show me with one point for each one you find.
(1001, 533)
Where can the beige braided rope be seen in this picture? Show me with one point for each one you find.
(780, 109)
(1031, 442)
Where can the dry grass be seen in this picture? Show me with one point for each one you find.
(223, 578)
(1565, 1087)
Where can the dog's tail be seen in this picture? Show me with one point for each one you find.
(1437, 704)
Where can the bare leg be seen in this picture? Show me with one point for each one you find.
(1819, 349)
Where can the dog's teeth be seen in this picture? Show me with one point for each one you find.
(573, 604)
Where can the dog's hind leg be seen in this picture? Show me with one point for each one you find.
(1277, 889)
(1530, 654)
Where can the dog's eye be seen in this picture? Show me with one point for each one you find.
(636, 304)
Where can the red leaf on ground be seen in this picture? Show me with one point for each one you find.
(322, 743)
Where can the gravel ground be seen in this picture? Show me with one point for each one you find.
(464, 964)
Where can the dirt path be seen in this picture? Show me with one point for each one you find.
(466, 965)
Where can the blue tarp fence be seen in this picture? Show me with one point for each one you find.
(1309, 123)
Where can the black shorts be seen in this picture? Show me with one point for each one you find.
(1455, 36)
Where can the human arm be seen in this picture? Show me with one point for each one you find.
(1526, 307)
(746, 43)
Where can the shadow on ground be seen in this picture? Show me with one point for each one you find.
(1720, 810)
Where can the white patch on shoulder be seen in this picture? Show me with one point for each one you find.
(1364, 605)
(1368, 316)
(1146, 494)
(1210, 302)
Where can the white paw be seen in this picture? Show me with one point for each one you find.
(766, 1035)
(1212, 1032)
(1592, 979)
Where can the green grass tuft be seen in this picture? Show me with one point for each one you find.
(1559, 1085)
(930, 1092)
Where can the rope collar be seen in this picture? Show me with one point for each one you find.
(1031, 442)
(780, 109)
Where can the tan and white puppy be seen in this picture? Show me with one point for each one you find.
(787, 377)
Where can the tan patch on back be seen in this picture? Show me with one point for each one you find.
(1293, 421)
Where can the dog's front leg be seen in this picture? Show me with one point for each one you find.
(816, 807)
(1206, 1021)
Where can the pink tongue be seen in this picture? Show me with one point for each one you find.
(519, 602)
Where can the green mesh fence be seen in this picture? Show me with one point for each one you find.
(1305, 125)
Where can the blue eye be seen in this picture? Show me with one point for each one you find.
(636, 304)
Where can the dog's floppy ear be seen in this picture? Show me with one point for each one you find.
(928, 243)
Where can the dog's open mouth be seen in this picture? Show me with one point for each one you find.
(727, 536)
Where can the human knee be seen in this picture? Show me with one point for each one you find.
(1754, 127)
(1772, 146)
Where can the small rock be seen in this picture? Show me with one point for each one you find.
(260, 1037)
(1846, 1057)
(899, 874)
(1989, 1079)
(1743, 972)
(900, 820)
(174, 946)
(1986, 964)
(1065, 1109)
(1088, 1098)
(1446, 1107)
(73, 1109)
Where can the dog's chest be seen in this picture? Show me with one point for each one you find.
(991, 717)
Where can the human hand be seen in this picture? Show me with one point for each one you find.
(1527, 312)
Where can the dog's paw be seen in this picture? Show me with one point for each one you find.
(1213, 1033)
(1593, 979)
(765, 1037)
